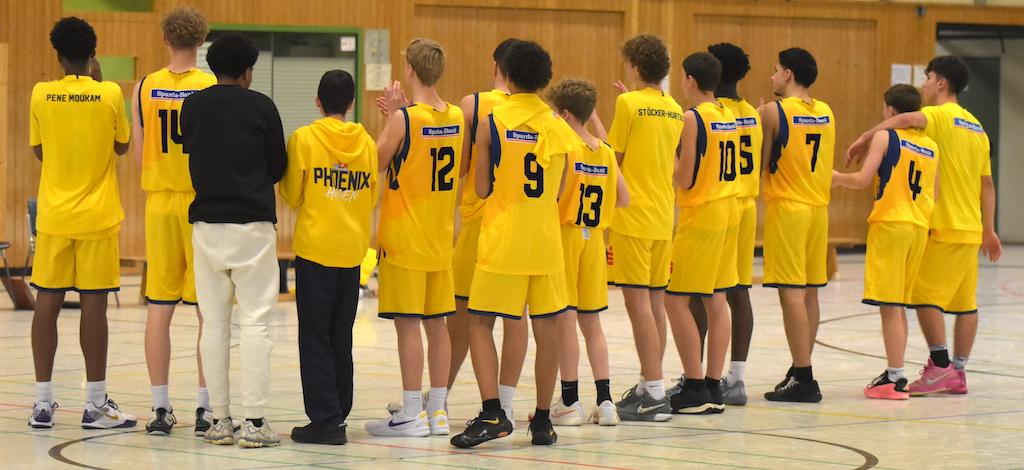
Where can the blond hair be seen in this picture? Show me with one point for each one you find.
(426, 57)
(185, 28)
(576, 95)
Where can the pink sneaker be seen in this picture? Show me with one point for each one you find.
(885, 389)
(961, 388)
(934, 379)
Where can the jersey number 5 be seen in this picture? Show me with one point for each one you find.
(535, 174)
(169, 130)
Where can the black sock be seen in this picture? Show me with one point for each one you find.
(803, 374)
(258, 422)
(604, 390)
(542, 415)
(695, 385)
(712, 384)
(570, 392)
(492, 405)
(941, 358)
(789, 373)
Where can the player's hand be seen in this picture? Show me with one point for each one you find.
(394, 96)
(991, 246)
(94, 69)
(857, 151)
(621, 87)
(382, 105)
(760, 107)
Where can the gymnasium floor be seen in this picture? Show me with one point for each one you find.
(980, 430)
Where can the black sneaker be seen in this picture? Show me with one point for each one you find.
(717, 404)
(794, 391)
(487, 425)
(330, 433)
(160, 422)
(543, 432)
(204, 419)
(789, 373)
(692, 403)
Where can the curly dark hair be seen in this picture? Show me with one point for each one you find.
(704, 68)
(735, 62)
(953, 69)
(501, 51)
(528, 66)
(649, 55)
(232, 54)
(336, 91)
(801, 63)
(903, 98)
(73, 39)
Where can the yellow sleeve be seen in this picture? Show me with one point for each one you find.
(374, 188)
(34, 135)
(619, 131)
(122, 131)
(294, 181)
(934, 116)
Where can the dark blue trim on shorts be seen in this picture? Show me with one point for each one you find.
(664, 287)
(637, 286)
(727, 289)
(495, 314)
(60, 290)
(590, 311)
(545, 315)
(688, 294)
(459, 297)
(793, 286)
(968, 312)
(879, 303)
(742, 286)
(194, 304)
(162, 302)
(391, 316)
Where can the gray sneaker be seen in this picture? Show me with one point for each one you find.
(735, 395)
(646, 409)
(251, 436)
(678, 387)
(629, 397)
(221, 433)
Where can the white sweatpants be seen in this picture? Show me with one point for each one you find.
(236, 261)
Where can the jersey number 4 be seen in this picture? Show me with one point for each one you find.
(169, 130)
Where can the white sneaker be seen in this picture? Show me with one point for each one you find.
(106, 416)
(439, 424)
(251, 437)
(396, 427)
(605, 414)
(42, 414)
(221, 433)
(566, 415)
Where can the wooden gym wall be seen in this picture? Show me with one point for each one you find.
(853, 42)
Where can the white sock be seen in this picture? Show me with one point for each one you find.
(736, 369)
(160, 398)
(896, 373)
(96, 392)
(506, 394)
(959, 362)
(44, 391)
(641, 386)
(437, 399)
(412, 403)
(656, 388)
(204, 399)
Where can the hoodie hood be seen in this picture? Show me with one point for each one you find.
(344, 140)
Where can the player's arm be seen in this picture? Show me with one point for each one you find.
(482, 178)
(990, 244)
(683, 175)
(621, 191)
(618, 134)
(121, 148)
(469, 112)
(861, 179)
(770, 130)
(294, 181)
(856, 152)
(137, 130)
(391, 139)
(96, 73)
(38, 151)
(565, 172)
(599, 131)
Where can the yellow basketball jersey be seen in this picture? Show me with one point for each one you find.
(76, 120)
(905, 181)
(483, 102)
(164, 157)
(802, 153)
(520, 233)
(716, 170)
(748, 125)
(588, 199)
(646, 129)
(965, 159)
(417, 214)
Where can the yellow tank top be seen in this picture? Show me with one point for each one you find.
(716, 170)
(588, 199)
(802, 153)
(483, 102)
(417, 214)
(905, 182)
(748, 125)
(164, 157)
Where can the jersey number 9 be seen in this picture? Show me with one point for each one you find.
(535, 174)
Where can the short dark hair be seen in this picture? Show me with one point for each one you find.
(735, 62)
(336, 92)
(231, 55)
(73, 39)
(951, 68)
(500, 52)
(903, 98)
(801, 63)
(649, 55)
(576, 95)
(704, 68)
(529, 66)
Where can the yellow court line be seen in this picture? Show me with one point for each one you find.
(905, 420)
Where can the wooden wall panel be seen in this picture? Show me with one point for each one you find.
(4, 81)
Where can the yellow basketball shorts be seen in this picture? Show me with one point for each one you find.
(894, 254)
(504, 295)
(705, 249)
(638, 262)
(948, 278)
(88, 266)
(411, 293)
(746, 235)
(586, 268)
(464, 257)
(169, 275)
(795, 244)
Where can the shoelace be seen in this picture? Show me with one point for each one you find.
(792, 383)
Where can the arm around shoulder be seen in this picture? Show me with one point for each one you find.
(863, 177)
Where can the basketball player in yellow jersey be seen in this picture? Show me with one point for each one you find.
(420, 148)
(520, 251)
(77, 123)
(799, 141)
(903, 165)
(156, 103)
(593, 188)
(477, 108)
(645, 133)
(704, 249)
(963, 220)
